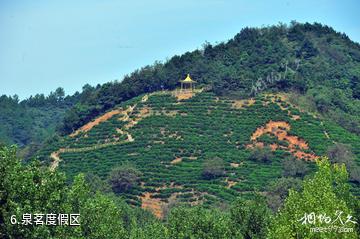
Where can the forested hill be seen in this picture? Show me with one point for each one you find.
(29, 122)
(315, 61)
(268, 104)
(322, 65)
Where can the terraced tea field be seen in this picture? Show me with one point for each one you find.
(168, 138)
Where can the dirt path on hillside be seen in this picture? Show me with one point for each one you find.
(282, 98)
(87, 127)
(55, 156)
(157, 206)
(90, 125)
(154, 205)
(230, 183)
(56, 160)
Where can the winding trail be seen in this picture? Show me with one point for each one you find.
(55, 156)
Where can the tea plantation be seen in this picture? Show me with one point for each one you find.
(169, 140)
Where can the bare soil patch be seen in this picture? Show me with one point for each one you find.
(280, 129)
(97, 121)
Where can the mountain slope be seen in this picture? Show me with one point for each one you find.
(170, 140)
(312, 59)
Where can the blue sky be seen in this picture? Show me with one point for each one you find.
(47, 44)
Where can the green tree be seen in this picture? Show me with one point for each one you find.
(259, 154)
(151, 230)
(28, 189)
(32, 189)
(102, 219)
(198, 222)
(251, 217)
(325, 193)
(278, 191)
(96, 184)
(294, 167)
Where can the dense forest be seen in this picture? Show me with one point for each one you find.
(29, 122)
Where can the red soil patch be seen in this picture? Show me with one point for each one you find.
(274, 147)
(280, 130)
(271, 127)
(144, 112)
(154, 205)
(303, 155)
(97, 121)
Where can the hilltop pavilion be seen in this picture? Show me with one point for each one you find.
(187, 84)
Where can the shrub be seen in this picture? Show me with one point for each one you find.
(124, 178)
(294, 167)
(261, 154)
(342, 153)
(213, 168)
(197, 222)
(279, 190)
(250, 217)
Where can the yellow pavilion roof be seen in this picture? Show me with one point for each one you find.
(188, 79)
